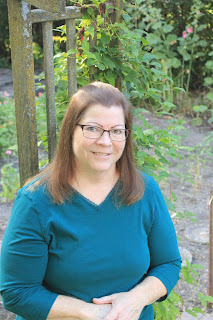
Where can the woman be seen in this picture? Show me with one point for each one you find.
(90, 237)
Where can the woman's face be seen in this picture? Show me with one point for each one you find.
(98, 155)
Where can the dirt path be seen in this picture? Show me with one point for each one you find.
(190, 198)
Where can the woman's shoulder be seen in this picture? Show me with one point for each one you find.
(33, 190)
(149, 181)
(150, 185)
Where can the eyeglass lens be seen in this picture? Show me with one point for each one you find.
(96, 132)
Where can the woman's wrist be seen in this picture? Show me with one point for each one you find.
(68, 307)
(149, 290)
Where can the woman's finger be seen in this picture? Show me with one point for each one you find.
(106, 299)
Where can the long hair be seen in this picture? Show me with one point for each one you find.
(57, 174)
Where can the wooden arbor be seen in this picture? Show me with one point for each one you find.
(21, 18)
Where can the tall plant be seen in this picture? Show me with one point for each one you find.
(143, 78)
(178, 48)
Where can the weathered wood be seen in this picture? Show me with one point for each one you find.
(211, 245)
(49, 5)
(24, 88)
(49, 87)
(38, 15)
(71, 59)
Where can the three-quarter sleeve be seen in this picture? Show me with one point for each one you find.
(165, 260)
(24, 257)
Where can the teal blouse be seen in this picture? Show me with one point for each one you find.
(84, 250)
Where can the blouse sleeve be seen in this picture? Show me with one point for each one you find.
(164, 253)
(24, 257)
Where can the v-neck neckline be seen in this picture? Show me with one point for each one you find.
(97, 206)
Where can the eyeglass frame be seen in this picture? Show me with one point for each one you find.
(127, 131)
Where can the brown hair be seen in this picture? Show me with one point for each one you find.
(57, 173)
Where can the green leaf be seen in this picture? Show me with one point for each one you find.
(180, 89)
(90, 30)
(157, 72)
(186, 56)
(208, 81)
(148, 57)
(208, 298)
(170, 105)
(157, 25)
(202, 43)
(210, 96)
(173, 62)
(85, 45)
(200, 108)
(90, 62)
(105, 38)
(101, 66)
(153, 39)
(132, 75)
(201, 27)
(109, 63)
(164, 174)
(194, 314)
(197, 266)
(167, 28)
(209, 65)
(198, 310)
(171, 37)
(126, 17)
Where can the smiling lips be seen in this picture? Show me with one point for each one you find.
(101, 154)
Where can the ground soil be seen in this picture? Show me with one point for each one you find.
(190, 197)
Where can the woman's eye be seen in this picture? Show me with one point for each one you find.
(117, 131)
(91, 129)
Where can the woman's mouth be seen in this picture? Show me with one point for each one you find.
(101, 154)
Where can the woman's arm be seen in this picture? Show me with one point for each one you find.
(149, 290)
(23, 264)
(74, 309)
(129, 305)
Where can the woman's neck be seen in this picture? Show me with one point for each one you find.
(88, 179)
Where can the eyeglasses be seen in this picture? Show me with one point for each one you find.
(93, 132)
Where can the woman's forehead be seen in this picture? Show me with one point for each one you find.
(101, 114)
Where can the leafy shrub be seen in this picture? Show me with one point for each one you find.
(7, 123)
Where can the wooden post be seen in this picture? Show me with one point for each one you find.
(49, 87)
(24, 89)
(211, 245)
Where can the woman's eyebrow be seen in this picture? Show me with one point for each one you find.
(117, 125)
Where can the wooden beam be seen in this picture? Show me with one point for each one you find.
(38, 15)
(49, 87)
(24, 89)
(49, 5)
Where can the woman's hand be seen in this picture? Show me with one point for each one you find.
(125, 306)
(96, 311)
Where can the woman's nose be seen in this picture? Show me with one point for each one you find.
(105, 139)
